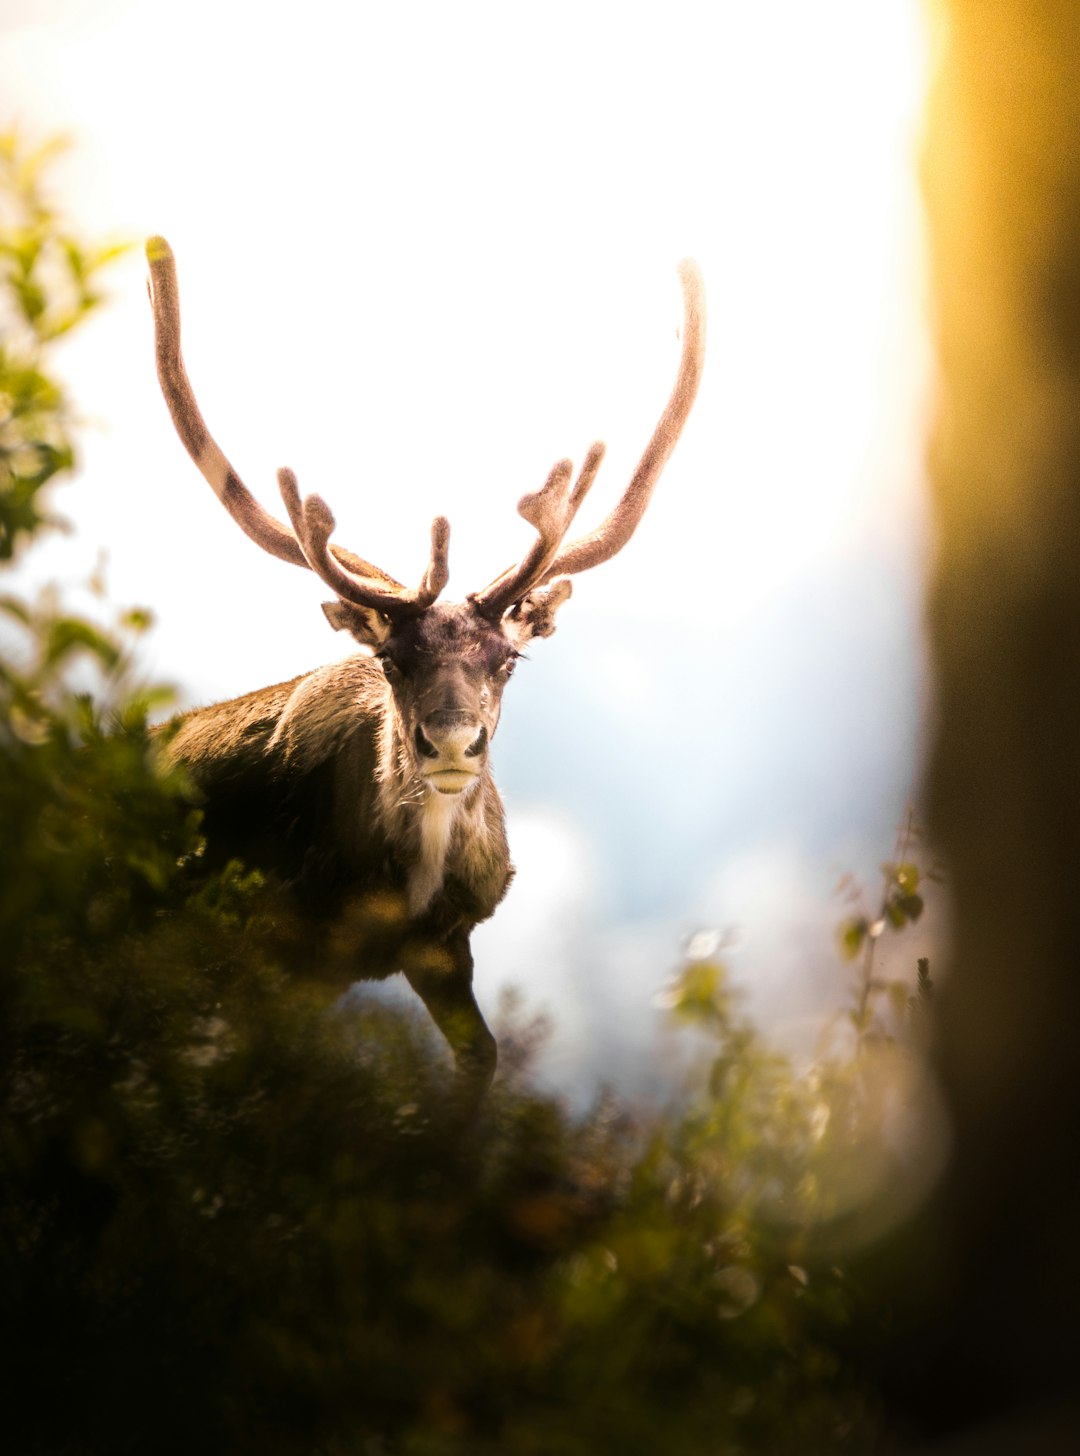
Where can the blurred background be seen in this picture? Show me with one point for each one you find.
(424, 252)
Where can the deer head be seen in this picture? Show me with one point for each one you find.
(445, 664)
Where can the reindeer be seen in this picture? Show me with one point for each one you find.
(365, 788)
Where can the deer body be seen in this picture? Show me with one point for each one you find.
(321, 750)
(364, 788)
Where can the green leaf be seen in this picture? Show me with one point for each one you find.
(852, 934)
(698, 987)
(911, 905)
(98, 257)
(907, 877)
(895, 915)
(67, 635)
(14, 608)
(137, 619)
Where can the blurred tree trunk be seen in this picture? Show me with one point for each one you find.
(1002, 179)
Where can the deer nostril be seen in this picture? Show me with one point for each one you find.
(424, 744)
(476, 748)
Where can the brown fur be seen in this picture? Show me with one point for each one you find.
(365, 789)
(318, 782)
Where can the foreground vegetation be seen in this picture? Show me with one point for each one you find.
(235, 1217)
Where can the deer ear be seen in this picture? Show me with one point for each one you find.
(534, 615)
(369, 627)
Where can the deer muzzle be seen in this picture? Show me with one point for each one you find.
(452, 748)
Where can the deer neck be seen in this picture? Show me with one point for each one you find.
(428, 831)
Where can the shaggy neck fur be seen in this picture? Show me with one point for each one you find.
(418, 820)
(436, 825)
(431, 834)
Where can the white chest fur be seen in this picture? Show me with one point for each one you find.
(436, 827)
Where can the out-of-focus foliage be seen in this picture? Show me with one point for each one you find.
(878, 1003)
(48, 284)
(235, 1217)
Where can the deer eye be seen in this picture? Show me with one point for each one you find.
(388, 665)
(509, 665)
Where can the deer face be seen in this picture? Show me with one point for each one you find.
(446, 668)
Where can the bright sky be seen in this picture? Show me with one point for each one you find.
(426, 250)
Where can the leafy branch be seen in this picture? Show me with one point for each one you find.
(901, 904)
(49, 283)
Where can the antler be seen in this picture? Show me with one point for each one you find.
(551, 509)
(263, 528)
(313, 522)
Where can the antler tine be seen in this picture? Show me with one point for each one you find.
(438, 570)
(616, 529)
(593, 460)
(263, 528)
(313, 522)
(551, 510)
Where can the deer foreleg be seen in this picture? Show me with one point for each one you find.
(441, 975)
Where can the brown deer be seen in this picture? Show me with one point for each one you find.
(364, 787)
